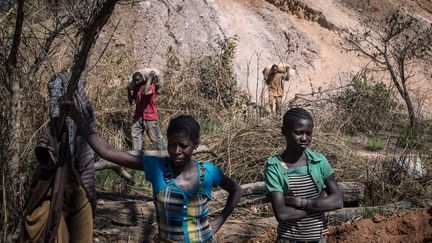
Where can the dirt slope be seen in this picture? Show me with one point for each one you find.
(303, 33)
(267, 34)
(150, 27)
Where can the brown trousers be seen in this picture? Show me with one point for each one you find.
(275, 103)
(76, 223)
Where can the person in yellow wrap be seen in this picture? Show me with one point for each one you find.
(273, 77)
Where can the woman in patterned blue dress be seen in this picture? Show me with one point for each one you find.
(181, 186)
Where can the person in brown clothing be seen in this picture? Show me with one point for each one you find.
(273, 77)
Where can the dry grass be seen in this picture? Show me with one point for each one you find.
(242, 140)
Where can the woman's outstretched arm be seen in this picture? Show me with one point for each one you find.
(100, 145)
(235, 192)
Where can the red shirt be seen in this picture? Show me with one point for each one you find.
(145, 105)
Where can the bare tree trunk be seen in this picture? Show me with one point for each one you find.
(401, 87)
(10, 156)
(400, 42)
(409, 105)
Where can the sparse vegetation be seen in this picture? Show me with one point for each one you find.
(406, 139)
(205, 86)
(218, 79)
(172, 62)
(211, 127)
(365, 105)
(375, 144)
(402, 44)
(370, 213)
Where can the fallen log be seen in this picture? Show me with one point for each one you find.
(357, 213)
(353, 193)
(104, 164)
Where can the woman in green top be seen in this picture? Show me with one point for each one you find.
(295, 180)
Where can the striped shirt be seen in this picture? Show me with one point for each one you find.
(309, 228)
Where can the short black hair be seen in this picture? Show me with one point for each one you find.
(185, 124)
(137, 75)
(293, 115)
(274, 68)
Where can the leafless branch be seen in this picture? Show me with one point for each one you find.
(90, 33)
(106, 46)
(46, 47)
(403, 41)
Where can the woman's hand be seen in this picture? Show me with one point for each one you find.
(68, 107)
(333, 200)
(292, 201)
(98, 144)
(284, 212)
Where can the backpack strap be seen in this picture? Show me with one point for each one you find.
(167, 172)
(202, 174)
(168, 175)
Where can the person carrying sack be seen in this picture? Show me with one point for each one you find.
(142, 89)
(273, 77)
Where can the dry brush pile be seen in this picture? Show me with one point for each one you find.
(243, 140)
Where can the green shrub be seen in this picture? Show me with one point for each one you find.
(365, 105)
(217, 76)
(375, 144)
(211, 127)
(349, 129)
(108, 180)
(370, 213)
(348, 141)
(173, 63)
(405, 139)
(416, 137)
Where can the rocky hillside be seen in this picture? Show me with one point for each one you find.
(304, 33)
